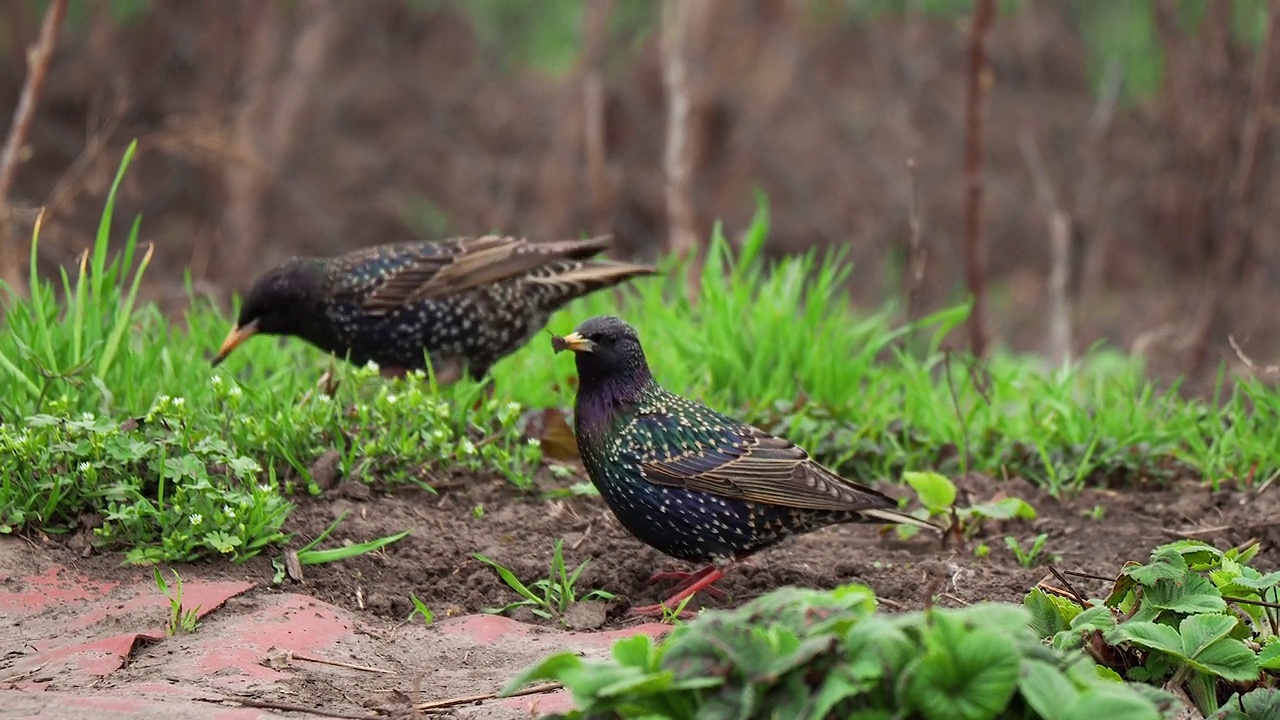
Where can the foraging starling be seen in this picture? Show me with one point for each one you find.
(468, 302)
(689, 481)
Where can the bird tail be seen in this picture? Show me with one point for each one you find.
(575, 249)
(900, 518)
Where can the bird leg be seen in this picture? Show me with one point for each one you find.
(701, 580)
(325, 384)
(685, 579)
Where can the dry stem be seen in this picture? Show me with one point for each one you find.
(678, 156)
(37, 70)
(595, 31)
(980, 80)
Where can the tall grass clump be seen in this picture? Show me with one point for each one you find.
(777, 342)
(112, 420)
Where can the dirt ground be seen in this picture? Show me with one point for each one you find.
(435, 562)
(355, 609)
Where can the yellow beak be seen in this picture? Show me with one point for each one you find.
(573, 341)
(234, 338)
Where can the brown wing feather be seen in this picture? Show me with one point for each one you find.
(765, 469)
(478, 262)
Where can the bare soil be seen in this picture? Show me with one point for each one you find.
(1094, 532)
(354, 610)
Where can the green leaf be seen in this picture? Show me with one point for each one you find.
(1259, 704)
(1264, 582)
(1113, 702)
(1050, 614)
(552, 668)
(1229, 659)
(1152, 636)
(936, 492)
(1269, 658)
(1006, 509)
(966, 674)
(1046, 689)
(1200, 631)
(635, 651)
(839, 685)
(1194, 594)
(1166, 564)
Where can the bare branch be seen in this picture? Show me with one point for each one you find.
(678, 158)
(980, 81)
(1059, 252)
(10, 157)
(595, 32)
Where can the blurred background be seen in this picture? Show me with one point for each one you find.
(1128, 147)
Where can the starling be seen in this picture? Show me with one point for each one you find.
(466, 302)
(689, 481)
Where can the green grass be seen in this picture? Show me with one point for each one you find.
(109, 409)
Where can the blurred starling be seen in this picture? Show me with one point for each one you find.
(689, 481)
(468, 302)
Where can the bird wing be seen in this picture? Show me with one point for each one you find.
(749, 464)
(469, 263)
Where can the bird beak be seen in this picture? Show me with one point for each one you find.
(573, 341)
(237, 335)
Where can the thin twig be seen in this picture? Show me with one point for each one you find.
(37, 70)
(1059, 251)
(1259, 603)
(1088, 576)
(469, 699)
(1080, 599)
(1248, 361)
(338, 663)
(979, 82)
(290, 707)
(916, 253)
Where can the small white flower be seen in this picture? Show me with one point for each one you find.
(163, 400)
(226, 510)
(216, 380)
(86, 416)
(196, 518)
(467, 447)
(235, 391)
(391, 399)
(438, 435)
(264, 488)
(83, 467)
(179, 401)
(535, 442)
(371, 366)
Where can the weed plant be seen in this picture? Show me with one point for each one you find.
(1195, 619)
(806, 654)
(111, 416)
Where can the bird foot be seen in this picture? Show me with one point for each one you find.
(685, 579)
(695, 582)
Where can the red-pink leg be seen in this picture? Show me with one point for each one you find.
(673, 602)
(685, 579)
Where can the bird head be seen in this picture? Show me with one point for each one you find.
(605, 349)
(280, 302)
